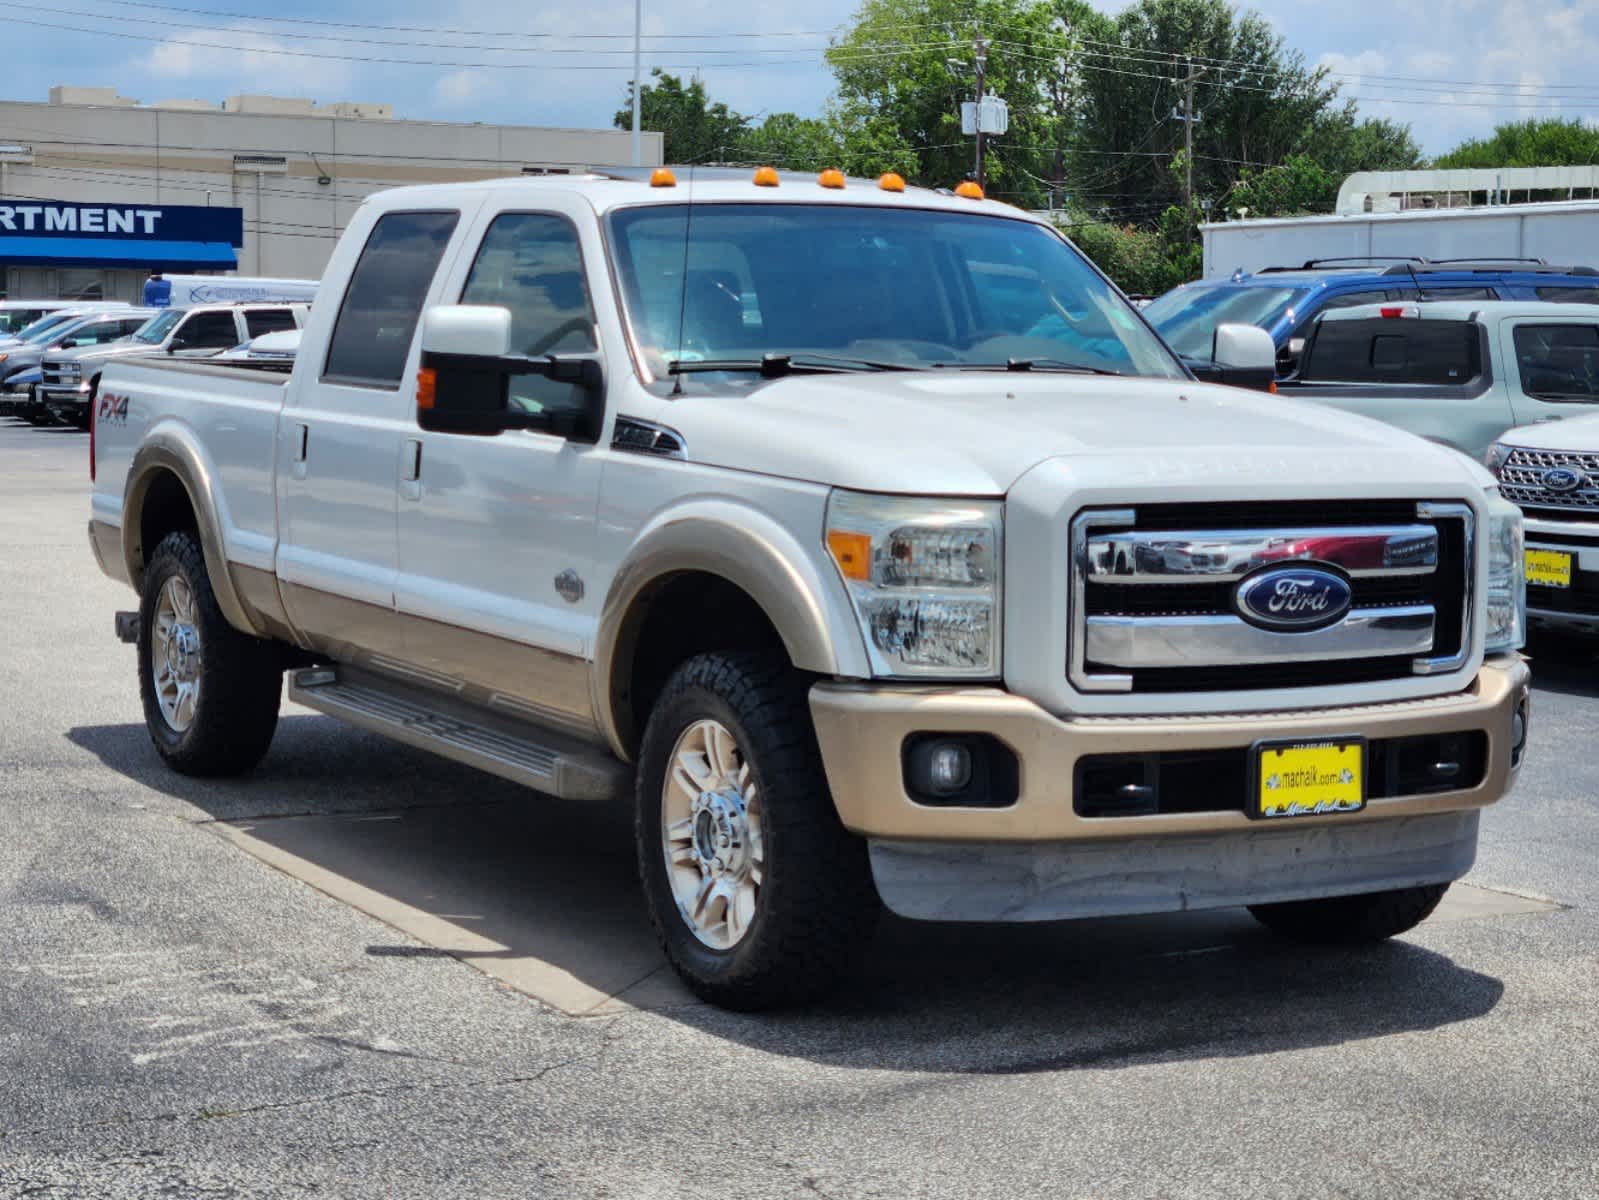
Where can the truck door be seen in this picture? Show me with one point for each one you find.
(204, 334)
(339, 439)
(1552, 364)
(498, 585)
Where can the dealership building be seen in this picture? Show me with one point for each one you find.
(97, 191)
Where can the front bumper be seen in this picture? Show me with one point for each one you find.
(1039, 860)
(1574, 609)
(862, 730)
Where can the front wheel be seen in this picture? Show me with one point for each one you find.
(1351, 920)
(759, 895)
(210, 693)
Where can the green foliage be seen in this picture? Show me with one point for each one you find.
(696, 130)
(849, 137)
(1138, 260)
(1295, 186)
(1550, 142)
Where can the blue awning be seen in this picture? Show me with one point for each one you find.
(116, 252)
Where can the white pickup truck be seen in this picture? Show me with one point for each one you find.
(864, 537)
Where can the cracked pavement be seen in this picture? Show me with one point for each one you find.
(177, 1018)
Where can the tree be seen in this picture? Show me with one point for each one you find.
(696, 130)
(849, 137)
(1341, 145)
(910, 64)
(1550, 142)
(1294, 187)
(1256, 101)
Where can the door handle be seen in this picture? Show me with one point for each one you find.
(411, 469)
(302, 435)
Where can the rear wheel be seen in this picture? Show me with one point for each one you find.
(1351, 920)
(210, 692)
(759, 895)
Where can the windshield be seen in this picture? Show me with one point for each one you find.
(14, 320)
(46, 328)
(155, 330)
(1187, 316)
(907, 287)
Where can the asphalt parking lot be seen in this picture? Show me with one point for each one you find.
(362, 972)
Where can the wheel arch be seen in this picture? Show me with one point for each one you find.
(737, 559)
(171, 486)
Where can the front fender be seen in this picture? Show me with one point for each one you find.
(749, 549)
(171, 447)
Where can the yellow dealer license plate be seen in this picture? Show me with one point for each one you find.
(1302, 779)
(1548, 568)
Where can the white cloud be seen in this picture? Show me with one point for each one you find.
(459, 89)
(244, 59)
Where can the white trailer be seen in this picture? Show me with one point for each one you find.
(1564, 232)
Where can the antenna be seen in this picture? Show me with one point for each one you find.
(682, 294)
(1420, 294)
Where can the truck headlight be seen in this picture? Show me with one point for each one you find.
(1494, 460)
(924, 575)
(1506, 607)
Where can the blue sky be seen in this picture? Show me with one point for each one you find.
(1451, 68)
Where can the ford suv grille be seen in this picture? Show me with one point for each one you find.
(1522, 479)
(1167, 597)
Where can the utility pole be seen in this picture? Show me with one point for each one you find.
(1188, 118)
(638, 83)
(980, 48)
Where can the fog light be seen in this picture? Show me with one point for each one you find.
(1518, 734)
(963, 769)
(949, 768)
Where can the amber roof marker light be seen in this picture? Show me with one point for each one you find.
(662, 177)
(890, 181)
(831, 178)
(969, 189)
(766, 177)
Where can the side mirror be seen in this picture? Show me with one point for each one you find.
(1288, 357)
(470, 382)
(1244, 356)
(177, 344)
(69, 344)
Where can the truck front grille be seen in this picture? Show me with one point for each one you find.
(1523, 479)
(1156, 591)
(61, 374)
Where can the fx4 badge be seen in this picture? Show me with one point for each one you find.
(111, 409)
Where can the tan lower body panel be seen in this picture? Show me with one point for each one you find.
(862, 729)
(106, 542)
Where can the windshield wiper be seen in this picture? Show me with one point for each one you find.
(1029, 364)
(773, 366)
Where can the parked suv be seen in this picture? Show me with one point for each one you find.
(1285, 301)
(1457, 373)
(71, 378)
(20, 361)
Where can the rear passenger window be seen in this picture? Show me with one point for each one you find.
(209, 331)
(1352, 299)
(530, 263)
(1559, 362)
(1395, 350)
(1569, 294)
(267, 320)
(377, 319)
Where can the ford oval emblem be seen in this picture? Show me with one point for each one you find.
(1293, 599)
(1562, 479)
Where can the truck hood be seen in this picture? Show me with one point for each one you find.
(106, 350)
(1578, 435)
(975, 434)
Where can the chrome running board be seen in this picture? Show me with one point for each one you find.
(541, 759)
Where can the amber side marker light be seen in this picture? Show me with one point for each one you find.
(427, 387)
(969, 190)
(661, 177)
(766, 177)
(890, 182)
(831, 178)
(852, 552)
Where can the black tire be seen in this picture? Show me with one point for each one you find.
(817, 906)
(240, 677)
(1352, 920)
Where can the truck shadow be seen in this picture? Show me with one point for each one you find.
(542, 894)
(1564, 664)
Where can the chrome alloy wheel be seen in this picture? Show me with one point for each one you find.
(711, 834)
(175, 654)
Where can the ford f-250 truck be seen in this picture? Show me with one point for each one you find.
(864, 536)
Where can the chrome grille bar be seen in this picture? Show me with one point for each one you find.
(1521, 479)
(1139, 643)
(1225, 556)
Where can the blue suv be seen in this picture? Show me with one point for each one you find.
(1285, 301)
